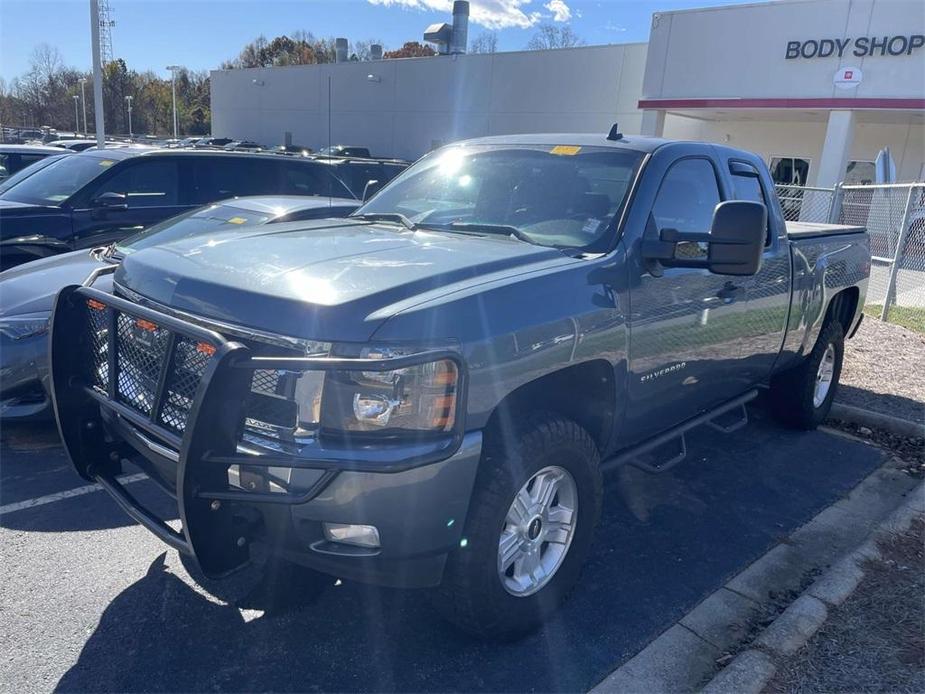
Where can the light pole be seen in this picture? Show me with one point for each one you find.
(76, 115)
(128, 100)
(97, 74)
(173, 88)
(83, 101)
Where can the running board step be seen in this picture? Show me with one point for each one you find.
(730, 421)
(715, 417)
(654, 461)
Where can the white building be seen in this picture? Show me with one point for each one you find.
(817, 87)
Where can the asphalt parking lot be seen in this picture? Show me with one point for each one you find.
(90, 602)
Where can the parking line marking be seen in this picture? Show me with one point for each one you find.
(68, 494)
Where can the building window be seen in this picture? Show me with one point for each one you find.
(789, 170)
(860, 173)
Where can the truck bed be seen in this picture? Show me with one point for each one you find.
(808, 230)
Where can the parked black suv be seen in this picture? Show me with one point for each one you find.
(97, 197)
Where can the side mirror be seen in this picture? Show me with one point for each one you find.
(737, 237)
(735, 242)
(111, 201)
(370, 189)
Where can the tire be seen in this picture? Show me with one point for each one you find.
(473, 594)
(794, 393)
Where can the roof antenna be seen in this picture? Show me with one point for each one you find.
(615, 133)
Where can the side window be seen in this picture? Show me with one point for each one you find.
(750, 188)
(29, 159)
(304, 178)
(146, 183)
(687, 197)
(5, 165)
(218, 178)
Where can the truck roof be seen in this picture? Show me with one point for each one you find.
(637, 143)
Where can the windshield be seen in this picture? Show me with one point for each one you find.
(23, 174)
(198, 222)
(56, 183)
(562, 196)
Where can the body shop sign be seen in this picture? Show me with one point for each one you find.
(860, 47)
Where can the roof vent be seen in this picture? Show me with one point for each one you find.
(615, 133)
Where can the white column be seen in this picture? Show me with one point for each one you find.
(839, 136)
(653, 123)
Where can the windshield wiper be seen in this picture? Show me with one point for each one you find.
(387, 217)
(474, 227)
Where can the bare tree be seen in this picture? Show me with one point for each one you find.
(487, 42)
(549, 36)
(362, 50)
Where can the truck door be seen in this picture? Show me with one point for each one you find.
(768, 292)
(151, 189)
(684, 347)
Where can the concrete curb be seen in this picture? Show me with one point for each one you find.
(869, 418)
(751, 670)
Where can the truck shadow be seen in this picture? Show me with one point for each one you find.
(663, 544)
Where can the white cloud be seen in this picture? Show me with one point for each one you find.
(560, 11)
(492, 14)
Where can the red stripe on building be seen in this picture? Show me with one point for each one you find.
(847, 104)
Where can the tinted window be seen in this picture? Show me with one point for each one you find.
(23, 174)
(145, 183)
(750, 188)
(29, 159)
(304, 178)
(217, 178)
(687, 197)
(58, 182)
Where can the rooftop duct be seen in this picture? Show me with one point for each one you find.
(451, 39)
(460, 40)
(340, 50)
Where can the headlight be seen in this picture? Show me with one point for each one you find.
(25, 325)
(416, 399)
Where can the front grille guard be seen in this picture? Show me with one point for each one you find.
(208, 443)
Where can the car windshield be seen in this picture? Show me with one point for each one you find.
(56, 183)
(198, 222)
(563, 196)
(23, 174)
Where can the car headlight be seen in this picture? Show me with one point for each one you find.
(25, 325)
(416, 399)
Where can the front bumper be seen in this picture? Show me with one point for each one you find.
(415, 493)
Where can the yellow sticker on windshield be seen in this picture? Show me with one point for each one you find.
(106, 162)
(565, 150)
(237, 220)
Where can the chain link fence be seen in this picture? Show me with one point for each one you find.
(894, 215)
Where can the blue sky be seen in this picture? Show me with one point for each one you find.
(150, 34)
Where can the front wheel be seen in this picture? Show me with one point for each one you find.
(802, 397)
(531, 521)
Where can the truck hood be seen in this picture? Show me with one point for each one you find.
(33, 286)
(333, 280)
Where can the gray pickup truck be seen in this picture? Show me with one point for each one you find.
(425, 394)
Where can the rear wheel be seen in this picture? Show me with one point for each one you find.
(531, 522)
(802, 397)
